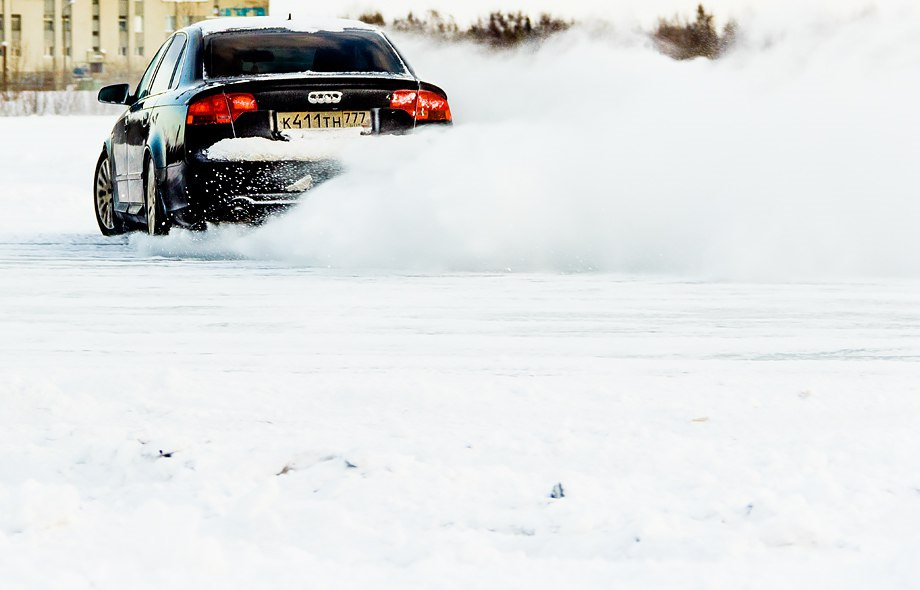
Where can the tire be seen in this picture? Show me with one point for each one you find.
(110, 224)
(158, 223)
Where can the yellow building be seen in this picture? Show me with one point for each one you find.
(52, 38)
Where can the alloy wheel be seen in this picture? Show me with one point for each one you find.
(151, 201)
(105, 205)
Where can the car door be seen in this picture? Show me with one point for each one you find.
(165, 127)
(118, 155)
(137, 127)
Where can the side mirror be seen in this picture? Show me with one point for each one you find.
(115, 94)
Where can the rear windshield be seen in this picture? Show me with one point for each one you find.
(283, 52)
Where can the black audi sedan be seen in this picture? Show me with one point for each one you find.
(231, 119)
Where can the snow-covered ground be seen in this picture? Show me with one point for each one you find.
(696, 310)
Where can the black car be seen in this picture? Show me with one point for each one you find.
(203, 138)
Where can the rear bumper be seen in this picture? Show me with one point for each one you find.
(199, 189)
(246, 177)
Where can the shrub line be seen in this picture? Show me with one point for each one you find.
(677, 37)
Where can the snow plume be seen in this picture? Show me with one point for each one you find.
(794, 157)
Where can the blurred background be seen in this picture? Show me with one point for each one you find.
(57, 44)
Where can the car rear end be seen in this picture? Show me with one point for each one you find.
(275, 106)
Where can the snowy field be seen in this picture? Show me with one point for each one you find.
(698, 311)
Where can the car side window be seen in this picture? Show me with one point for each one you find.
(167, 67)
(177, 74)
(143, 87)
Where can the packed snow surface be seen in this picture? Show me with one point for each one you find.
(667, 339)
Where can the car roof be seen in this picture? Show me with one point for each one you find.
(256, 23)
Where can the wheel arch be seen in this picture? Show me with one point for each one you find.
(159, 175)
(109, 152)
(156, 150)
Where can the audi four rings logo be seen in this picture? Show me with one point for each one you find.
(325, 97)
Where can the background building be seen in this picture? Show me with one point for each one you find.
(46, 41)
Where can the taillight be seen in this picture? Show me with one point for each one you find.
(423, 105)
(220, 108)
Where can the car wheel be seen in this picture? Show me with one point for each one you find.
(158, 223)
(104, 198)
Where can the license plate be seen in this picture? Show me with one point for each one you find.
(324, 120)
